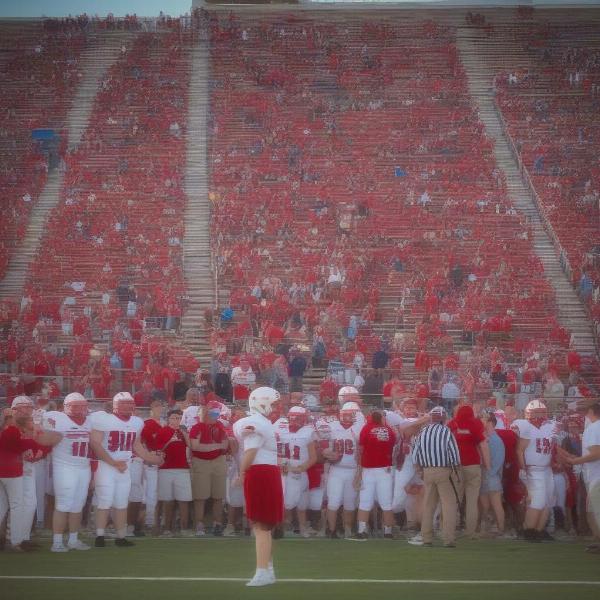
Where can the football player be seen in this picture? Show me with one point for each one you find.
(114, 438)
(297, 453)
(70, 470)
(535, 452)
(406, 422)
(344, 435)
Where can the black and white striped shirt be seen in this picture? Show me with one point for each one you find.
(435, 446)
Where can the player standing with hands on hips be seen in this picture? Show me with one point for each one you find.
(261, 478)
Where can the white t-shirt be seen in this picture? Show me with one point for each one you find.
(541, 439)
(293, 446)
(74, 448)
(241, 377)
(257, 431)
(591, 437)
(119, 435)
(345, 442)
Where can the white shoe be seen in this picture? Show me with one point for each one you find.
(186, 533)
(260, 579)
(58, 548)
(78, 545)
(200, 532)
(166, 534)
(305, 533)
(229, 531)
(417, 540)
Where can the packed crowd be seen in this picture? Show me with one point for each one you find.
(347, 471)
(307, 245)
(551, 109)
(40, 74)
(109, 273)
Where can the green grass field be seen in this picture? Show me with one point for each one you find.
(173, 570)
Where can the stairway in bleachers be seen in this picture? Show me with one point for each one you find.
(196, 243)
(477, 56)
(95, 60)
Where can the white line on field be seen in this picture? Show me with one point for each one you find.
(319, 581)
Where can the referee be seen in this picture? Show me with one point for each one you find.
(436, 452)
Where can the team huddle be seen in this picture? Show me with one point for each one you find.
(371, 467)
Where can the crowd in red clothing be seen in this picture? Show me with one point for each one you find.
(307, 244)
(551, 110)
(40, 73)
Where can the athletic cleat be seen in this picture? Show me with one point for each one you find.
(59, 548)
(388, 536)
(261, 579)
(99, 542)
(359, 537)
(417, 540)
(333, 535)
(78, 545)
(218, 530)
(123, 543)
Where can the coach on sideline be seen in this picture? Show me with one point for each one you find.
(436, 452)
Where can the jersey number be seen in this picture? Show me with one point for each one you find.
(343, 446)
(81, 449)
(119, 441)
(543, 446)
(283, 451)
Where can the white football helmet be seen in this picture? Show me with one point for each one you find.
(348, 394)
(537, 411)
(76, 405)
(297, 417)
(123, 404)
(348, 412)
(261, 400)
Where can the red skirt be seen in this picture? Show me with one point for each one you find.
(264, 494)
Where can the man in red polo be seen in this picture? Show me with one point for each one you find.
(209, 443)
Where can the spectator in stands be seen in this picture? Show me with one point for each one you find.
(242, 379)
(296, 370)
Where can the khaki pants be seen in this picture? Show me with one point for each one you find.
(470, 484)
(209, 478)
(438, 488)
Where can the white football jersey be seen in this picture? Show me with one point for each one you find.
(74, 448)
(119, 435)
(293, 447)
(345, 442)
(541, 441)
(256, 431)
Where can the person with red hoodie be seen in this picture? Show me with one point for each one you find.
(15, 441)
(174, 480)
(474, 451)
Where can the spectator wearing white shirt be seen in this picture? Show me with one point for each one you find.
(450, 394)
(242, 378)
(590, 459)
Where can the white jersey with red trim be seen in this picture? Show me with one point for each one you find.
(74, 448)
(345, 443)
(541, 441)
(257, 432)
(293, 446)
(119, 435)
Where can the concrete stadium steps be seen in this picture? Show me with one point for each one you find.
(480, 61)
(196, 242)
(95, 61)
